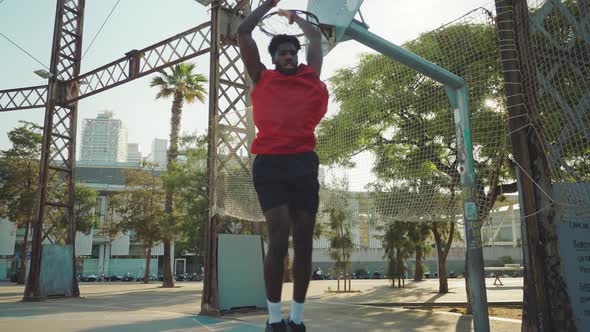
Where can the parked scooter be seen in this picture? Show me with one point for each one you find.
(195, 277)
(128, 277)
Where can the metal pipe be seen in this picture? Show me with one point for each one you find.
(209, 296)
(360, 33)
(472, 224)
(457, 92)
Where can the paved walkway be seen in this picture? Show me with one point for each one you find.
(138, 307)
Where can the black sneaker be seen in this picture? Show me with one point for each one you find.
(276, 327)
(292, 327)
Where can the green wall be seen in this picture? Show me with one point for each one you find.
(90, 266)
(134, 266)
(4, 268)
(119, 266)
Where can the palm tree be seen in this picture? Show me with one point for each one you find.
(184, 86)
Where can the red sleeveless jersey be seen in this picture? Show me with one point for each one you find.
(287, 109)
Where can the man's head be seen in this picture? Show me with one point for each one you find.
(283, 51)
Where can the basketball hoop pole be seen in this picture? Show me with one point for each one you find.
(457, 92)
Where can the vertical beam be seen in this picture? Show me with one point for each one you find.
(546, 301)
(56, 174)
(209, 301)
(228, 101)
(535, 309)
(471, 220)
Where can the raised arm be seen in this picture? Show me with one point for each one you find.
(248, 49)
(315, 56)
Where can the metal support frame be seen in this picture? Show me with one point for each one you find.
(135, 64)
(56, 175)
(228, 101)
(546, 304)
(23, 98)
(54, 221)
(547, 78)
(457, 92)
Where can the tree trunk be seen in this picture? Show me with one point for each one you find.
(338, 278)
(349, 276)
(168, 280)
(22, 266)
(399, 267)
(345, 279)
(175, 119)
(443, 286)
(418, 270)
(196, 261)
(148, 260)
(344, 260)
(546, 304)
(402, 274)
(443, 283)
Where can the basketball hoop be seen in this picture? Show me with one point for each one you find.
(272, 24)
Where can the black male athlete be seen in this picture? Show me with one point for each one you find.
(288, 102)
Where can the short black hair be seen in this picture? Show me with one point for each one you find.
(281, 39)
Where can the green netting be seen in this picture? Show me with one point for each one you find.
(397, 126)
(559, 111)
(389, 138)
(388, 144)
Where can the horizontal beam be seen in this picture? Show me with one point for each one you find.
(136, 63)
(23, 98)
(140, 63)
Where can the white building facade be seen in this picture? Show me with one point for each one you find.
(104, 139)
(133, 153)
(159, 152)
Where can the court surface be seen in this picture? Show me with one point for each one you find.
(137, 307)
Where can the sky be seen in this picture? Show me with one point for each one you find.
(135, 24)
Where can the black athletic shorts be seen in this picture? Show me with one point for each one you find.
(287, 179)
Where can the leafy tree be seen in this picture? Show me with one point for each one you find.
(341, 245)
(398, 247)
(84, 207)
(188, 177)
(183, 85)
(406, 121)
(443, 236)
(19, 177)
(140, 207)
(442, 229)
(338, 229)
(418, 234)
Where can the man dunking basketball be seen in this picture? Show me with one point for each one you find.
(288, 102)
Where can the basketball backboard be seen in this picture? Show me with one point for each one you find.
(338, 13)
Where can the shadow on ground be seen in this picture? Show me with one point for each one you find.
(176, 300)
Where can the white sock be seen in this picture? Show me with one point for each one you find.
(274, 312)
(296, 315)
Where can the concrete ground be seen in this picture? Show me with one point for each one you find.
(138, 307)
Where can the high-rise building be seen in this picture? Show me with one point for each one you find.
(159, 152)
(104, 139)
(133, 153)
